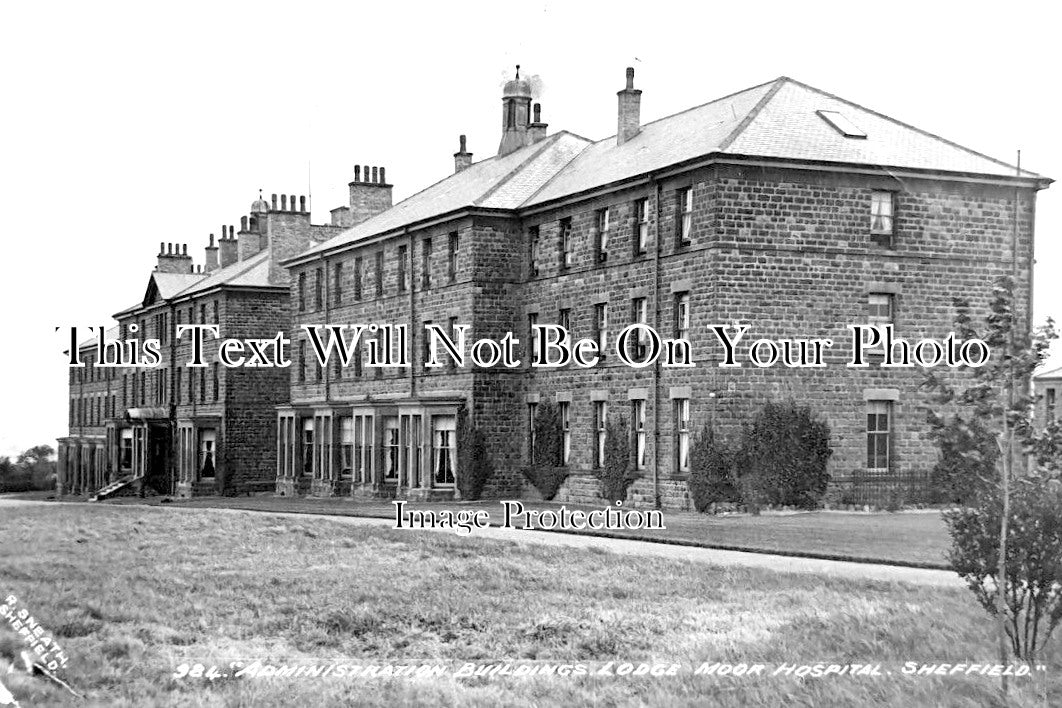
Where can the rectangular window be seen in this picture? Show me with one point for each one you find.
(1049, 404)
(532, 411)
(451, 256)
(452, 327)
(878, 443)
(302, 362)
(302, 293)
(639, 315)
(403, 254)
(217, 382)
(600, 432)
(425, 264)
(601, 326)
(338, 369)
(685, 221)
(346, 447)
(357, 278)
(881, 218)
(444, 449)
(641, 226)
(337, 285)
(532, 322)
(532, 254)
(879, 308)
(566, 430)
(682, 434)
(391, 448)
(638, 426)
(125, 451)
(567, 252)
(202, 386)
(379, 273)
(682, 316)
(307, 447)
(208, 438)
(564, 319)
(604, 224)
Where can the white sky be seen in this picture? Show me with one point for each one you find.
(127, 124)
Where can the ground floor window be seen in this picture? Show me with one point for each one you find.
(682, 434)
(444, 448)
(125, 451)
(566, 430)
(879, 414)
(307, 446)
(600, 432)
(638, 426)
(532, 410)
(346, 447)
(392, 447)
(363, 448)
(207, 444)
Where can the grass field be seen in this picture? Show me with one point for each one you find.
(133, 592)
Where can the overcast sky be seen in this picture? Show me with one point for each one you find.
(127, 124)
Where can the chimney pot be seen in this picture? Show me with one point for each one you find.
(538, 112)
(291, 201)
(274, 202)
(243, 223)
(630, 78)
(162, 247)
(302, 204)
(383, 179)
(169, 249)
(283, 202)
(211, 240)
(375, 179)
(357, 173)
(184, 249)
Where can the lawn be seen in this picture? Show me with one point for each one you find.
(133, 592)
(907, 538)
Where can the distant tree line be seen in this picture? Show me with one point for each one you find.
(33, 469)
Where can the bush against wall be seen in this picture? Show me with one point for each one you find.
(474, 465)
(968, 457)
(547, 472)
(617, 471)
(711, 472)
(782, 457)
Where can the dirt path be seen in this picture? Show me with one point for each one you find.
(784, 564)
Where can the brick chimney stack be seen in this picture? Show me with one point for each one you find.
(227, 248)
(369, 195)
(211, 256)
(630, 110)
(462, 158)
(537, 130)
(172, 259)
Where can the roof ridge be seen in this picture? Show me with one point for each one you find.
(753, 112)
(1021, 172)
(248, 263)
(543, 144)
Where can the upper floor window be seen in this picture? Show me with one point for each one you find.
(318, 288)
(532, 252)
(641, 226)
(603, 232)
(425, 266)
(379, 273)
(682, 316)
(337, 286)
(639, 315)
(532, 322)
(567, 248)
(601, 326)
(881, 221)
(302, 294)
(879, 308)
(403, 255)
(357, 278)
(600, 432)
(564, 319)
(451, 259)
(1049, 404)
(682, 434)
(685, 224)
(639, 432)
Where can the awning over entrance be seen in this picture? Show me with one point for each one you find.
(147, 414)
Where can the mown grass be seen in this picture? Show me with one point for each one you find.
(133, 592)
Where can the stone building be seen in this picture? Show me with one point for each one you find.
(193, 430)
(781, 207)
(1047, 392)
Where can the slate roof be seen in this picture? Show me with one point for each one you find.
(776, 120)
(169, 284)
(110, 334)
(1055, 373)
(252, 272)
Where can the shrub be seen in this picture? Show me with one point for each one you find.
(711, 476)
(1033, 559)
(616, 473)
(968, 456)
(782, 458)
(546, 472)
(547, 480)
(474, 466)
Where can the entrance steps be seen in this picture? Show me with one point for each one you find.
(112, 488)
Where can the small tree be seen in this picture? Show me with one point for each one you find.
(1005, 543)
(783, 455)
(546, 471)
(967, 462)
(616, 473)
(711, 477)
(474, 465)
